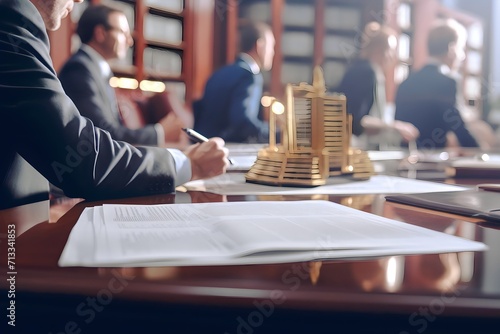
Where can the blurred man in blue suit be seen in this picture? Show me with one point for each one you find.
(429, 97)
(230, 106)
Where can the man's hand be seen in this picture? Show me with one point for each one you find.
(407, 130)
(208, 159)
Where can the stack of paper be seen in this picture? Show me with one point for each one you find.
(243, 233)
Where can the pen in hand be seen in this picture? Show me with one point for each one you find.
(199, 138)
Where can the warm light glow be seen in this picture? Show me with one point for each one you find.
(394, 273)
(126, 83)
(114, 82)
(266, 101)
(391, 272)
(152, 86)
(277, 108)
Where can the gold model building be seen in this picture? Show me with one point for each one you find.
(315, 141)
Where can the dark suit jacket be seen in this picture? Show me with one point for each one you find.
(427, 99)
(42, 127)
(84, 83)
(231, 104)
(358, 85)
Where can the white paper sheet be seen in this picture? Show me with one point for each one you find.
(244, 155)
(387, 155)
(82, 238)
(244, 149)
(243, 233)
(241, 163)
(235, 184)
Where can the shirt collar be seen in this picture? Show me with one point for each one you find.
(101, 62)
(443, 68)
(254, 67)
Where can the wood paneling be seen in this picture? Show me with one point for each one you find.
(201, 54)
(60, 42)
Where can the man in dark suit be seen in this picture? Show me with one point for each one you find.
(363, 84)
(428, 97)
(43, 136)
(105, 35)
(230, 106)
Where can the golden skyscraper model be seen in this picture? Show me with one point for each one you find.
(315, 141)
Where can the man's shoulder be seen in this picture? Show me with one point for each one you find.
(79, 60)
(429, 74)
(22, 7)
(231, 72)
(23, 24)
(236, 67)
(79, 56)
(428, 83)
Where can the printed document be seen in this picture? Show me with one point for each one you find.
(243, 233)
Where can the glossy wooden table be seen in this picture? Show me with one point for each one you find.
(441, 293)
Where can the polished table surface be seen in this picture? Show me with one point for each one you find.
(437, 293)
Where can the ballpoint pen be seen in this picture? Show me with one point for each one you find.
(195, 136)
(199, 138)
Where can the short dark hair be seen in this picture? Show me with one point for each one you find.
(92, 17)
(250, 32)
(444, 33)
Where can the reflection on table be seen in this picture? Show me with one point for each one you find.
(436, 293)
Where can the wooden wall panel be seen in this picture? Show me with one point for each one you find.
(60, 43)
(200, 48)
